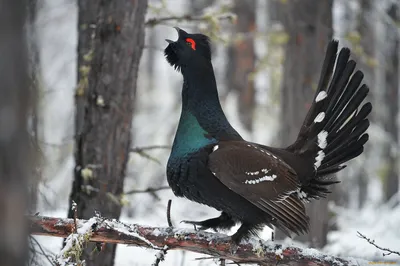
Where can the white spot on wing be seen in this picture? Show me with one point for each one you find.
(264, 151)
(215, 147)
(319, 118)
(252, 173)
(321, 95)
(322, 139)
(261, 179)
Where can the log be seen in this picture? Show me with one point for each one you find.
(217, 245)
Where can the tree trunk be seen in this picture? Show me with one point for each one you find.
(309, 26)
(365, 27)
(111, 40)
(241, 61)
(34, 73)
(392, 102)
(15, 149)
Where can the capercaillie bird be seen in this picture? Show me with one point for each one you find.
(250, 183)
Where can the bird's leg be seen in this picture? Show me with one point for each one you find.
(224, 221)
(245, 231)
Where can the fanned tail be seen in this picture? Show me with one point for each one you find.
(334, 129)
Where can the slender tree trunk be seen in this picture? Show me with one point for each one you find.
(15, 152)
(392, 102)
(241, 61)
(34, 73)
(365, 27)
(309, 26)
(111, 40)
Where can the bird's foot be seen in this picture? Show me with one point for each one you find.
(198, 225)
(235, 240)
(233, 247)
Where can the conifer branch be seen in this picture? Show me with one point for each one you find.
(217, 245)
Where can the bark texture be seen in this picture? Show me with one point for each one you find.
(308, 24)
(15, 152)
(111, 40)
(254, 251)
(392, 101)
(366, 28)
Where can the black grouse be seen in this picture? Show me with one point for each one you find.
(250, 183)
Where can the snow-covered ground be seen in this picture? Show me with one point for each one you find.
(155, 122)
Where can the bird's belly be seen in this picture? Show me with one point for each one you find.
(196, 182)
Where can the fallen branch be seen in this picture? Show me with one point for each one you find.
(214, 244)
(372, 242)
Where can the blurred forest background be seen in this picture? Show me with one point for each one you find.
(108, 99)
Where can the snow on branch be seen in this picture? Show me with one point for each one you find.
(158, 238)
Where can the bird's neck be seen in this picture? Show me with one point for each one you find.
(202, 120)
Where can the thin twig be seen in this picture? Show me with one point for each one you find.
(160, 256)
(142, 151)
(372, 242)
(44, 253)
(147, 190)
(146, 148)
(75, 209)
(155, 21)
(169, 213)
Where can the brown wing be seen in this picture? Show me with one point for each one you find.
(263, 179)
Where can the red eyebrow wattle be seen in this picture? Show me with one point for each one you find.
(193, 43)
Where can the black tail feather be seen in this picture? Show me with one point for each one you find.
(334, 129)
(339, 135)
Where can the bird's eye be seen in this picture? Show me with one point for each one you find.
(191, 43)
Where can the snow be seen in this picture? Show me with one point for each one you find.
(76, 239)
(132, 231)
(380, 223)
(157, 113)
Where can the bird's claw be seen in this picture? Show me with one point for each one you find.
(197, 225)
(233, 247)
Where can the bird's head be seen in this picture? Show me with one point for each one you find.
(189, 48)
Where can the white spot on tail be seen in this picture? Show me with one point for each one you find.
(322, 142)
(301, 194)
(321, 95)
(215, 147)
(318, 159)
(261, 179)
(319, 118)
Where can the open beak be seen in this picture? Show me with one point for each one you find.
(180, 32)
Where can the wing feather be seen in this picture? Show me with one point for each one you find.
(263, 179)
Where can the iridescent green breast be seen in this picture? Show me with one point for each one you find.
(190, 136)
